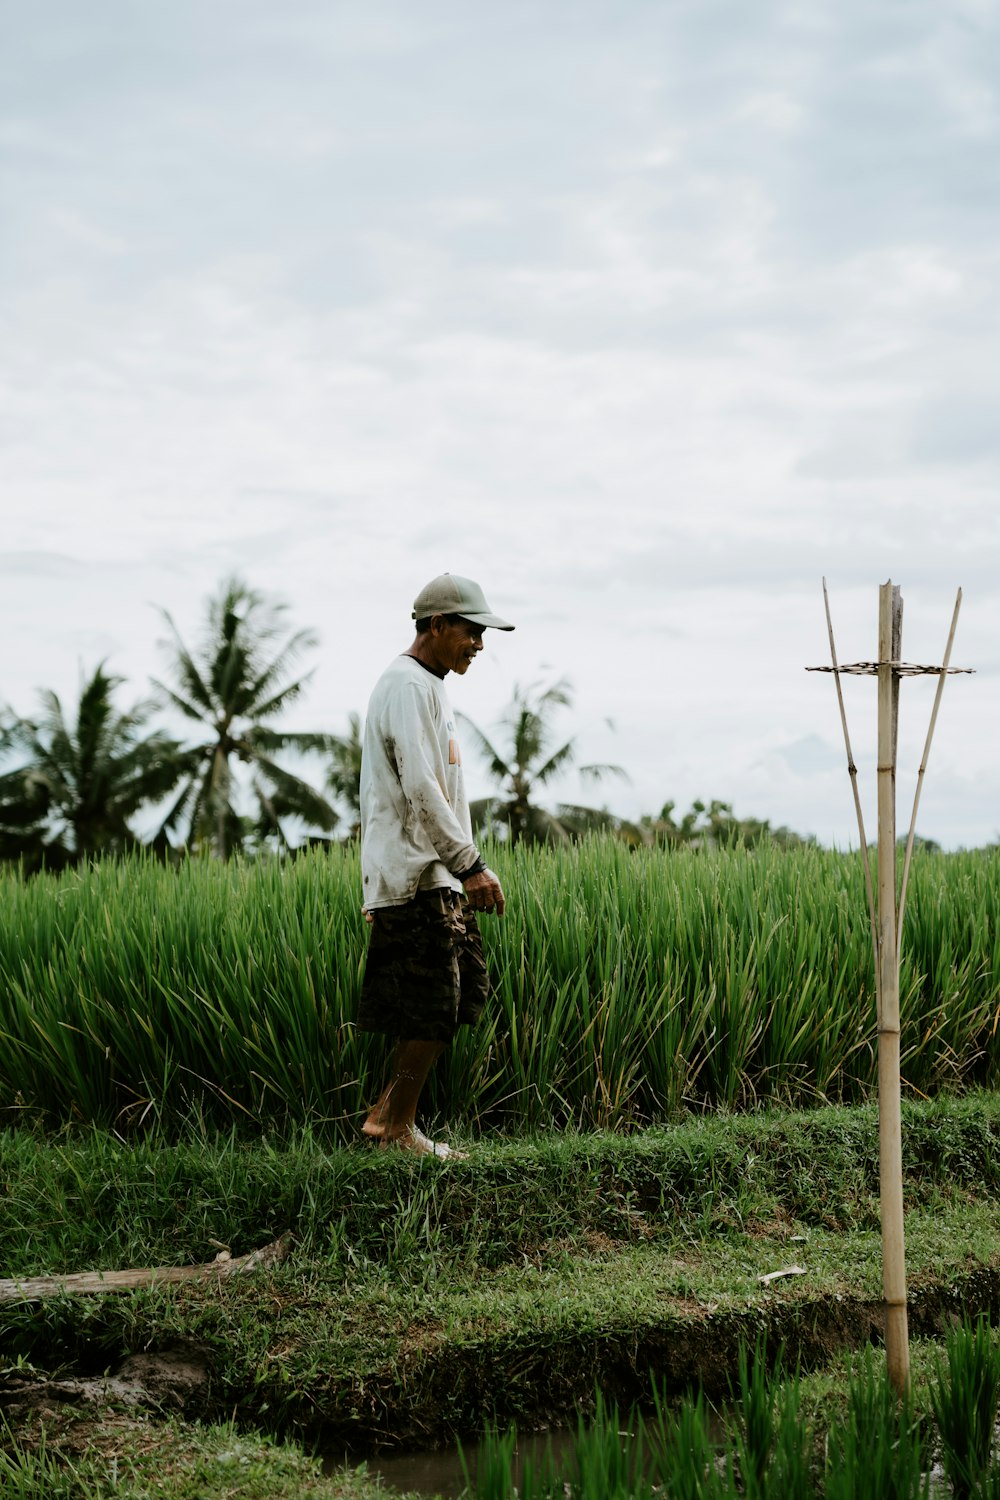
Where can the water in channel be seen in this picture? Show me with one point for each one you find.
(440, 1472)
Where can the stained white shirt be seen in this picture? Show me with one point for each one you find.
(416, 831)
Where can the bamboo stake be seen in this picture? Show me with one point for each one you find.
(887, 927)
(920, 775)
(890, 1122)
(852, 771)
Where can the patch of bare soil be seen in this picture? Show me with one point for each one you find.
(174, 1380)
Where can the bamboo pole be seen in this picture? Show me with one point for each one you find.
(890, 1124)
(920, 775)
(852, 771)
(887, 928)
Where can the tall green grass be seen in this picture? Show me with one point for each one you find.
(629, 985)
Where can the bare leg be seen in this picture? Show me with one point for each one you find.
(392, 1118)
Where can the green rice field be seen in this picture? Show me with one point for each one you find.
(630, 986)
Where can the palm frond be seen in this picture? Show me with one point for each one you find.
(176, 812)
(188, 708)
(597, 772)
(193, 688)
(253, 709)
(258, 738)
(279, 666)
(554, 764)
(344, 772)
(558, 695)
(297, 797)
(497, 765)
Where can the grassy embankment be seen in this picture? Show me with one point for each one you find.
(419, 1302)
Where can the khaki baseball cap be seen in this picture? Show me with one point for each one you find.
(451, 595)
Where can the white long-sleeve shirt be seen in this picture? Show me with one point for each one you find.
(416, 832)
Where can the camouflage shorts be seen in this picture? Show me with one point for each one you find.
(425, 974)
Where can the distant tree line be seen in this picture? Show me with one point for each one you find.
(75, 782)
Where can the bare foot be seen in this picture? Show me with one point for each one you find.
(415, 1140)
(373, 1128)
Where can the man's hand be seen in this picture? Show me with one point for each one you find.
(483, 892)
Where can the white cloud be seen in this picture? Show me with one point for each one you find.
(773, 110)
(647, 320)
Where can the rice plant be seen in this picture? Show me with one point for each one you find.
(684, 1462)
(493, 1475)
(629, 985)
(879, 1448)
(610, 1459)
(761, 1450)
(757, 1432)
(964, 1395)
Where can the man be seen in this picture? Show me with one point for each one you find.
(424, 879)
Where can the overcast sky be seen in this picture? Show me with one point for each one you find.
(646, 315)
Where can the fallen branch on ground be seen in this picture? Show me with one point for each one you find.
(33, 1288)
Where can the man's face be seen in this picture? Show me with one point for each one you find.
(459, 642)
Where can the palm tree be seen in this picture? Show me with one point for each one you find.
(344, 776)
(23, 808)
(22, 825)
(530, 764)
(82, 782)
(239, 679)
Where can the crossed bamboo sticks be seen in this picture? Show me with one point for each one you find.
(886, 918)
(899, 669)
